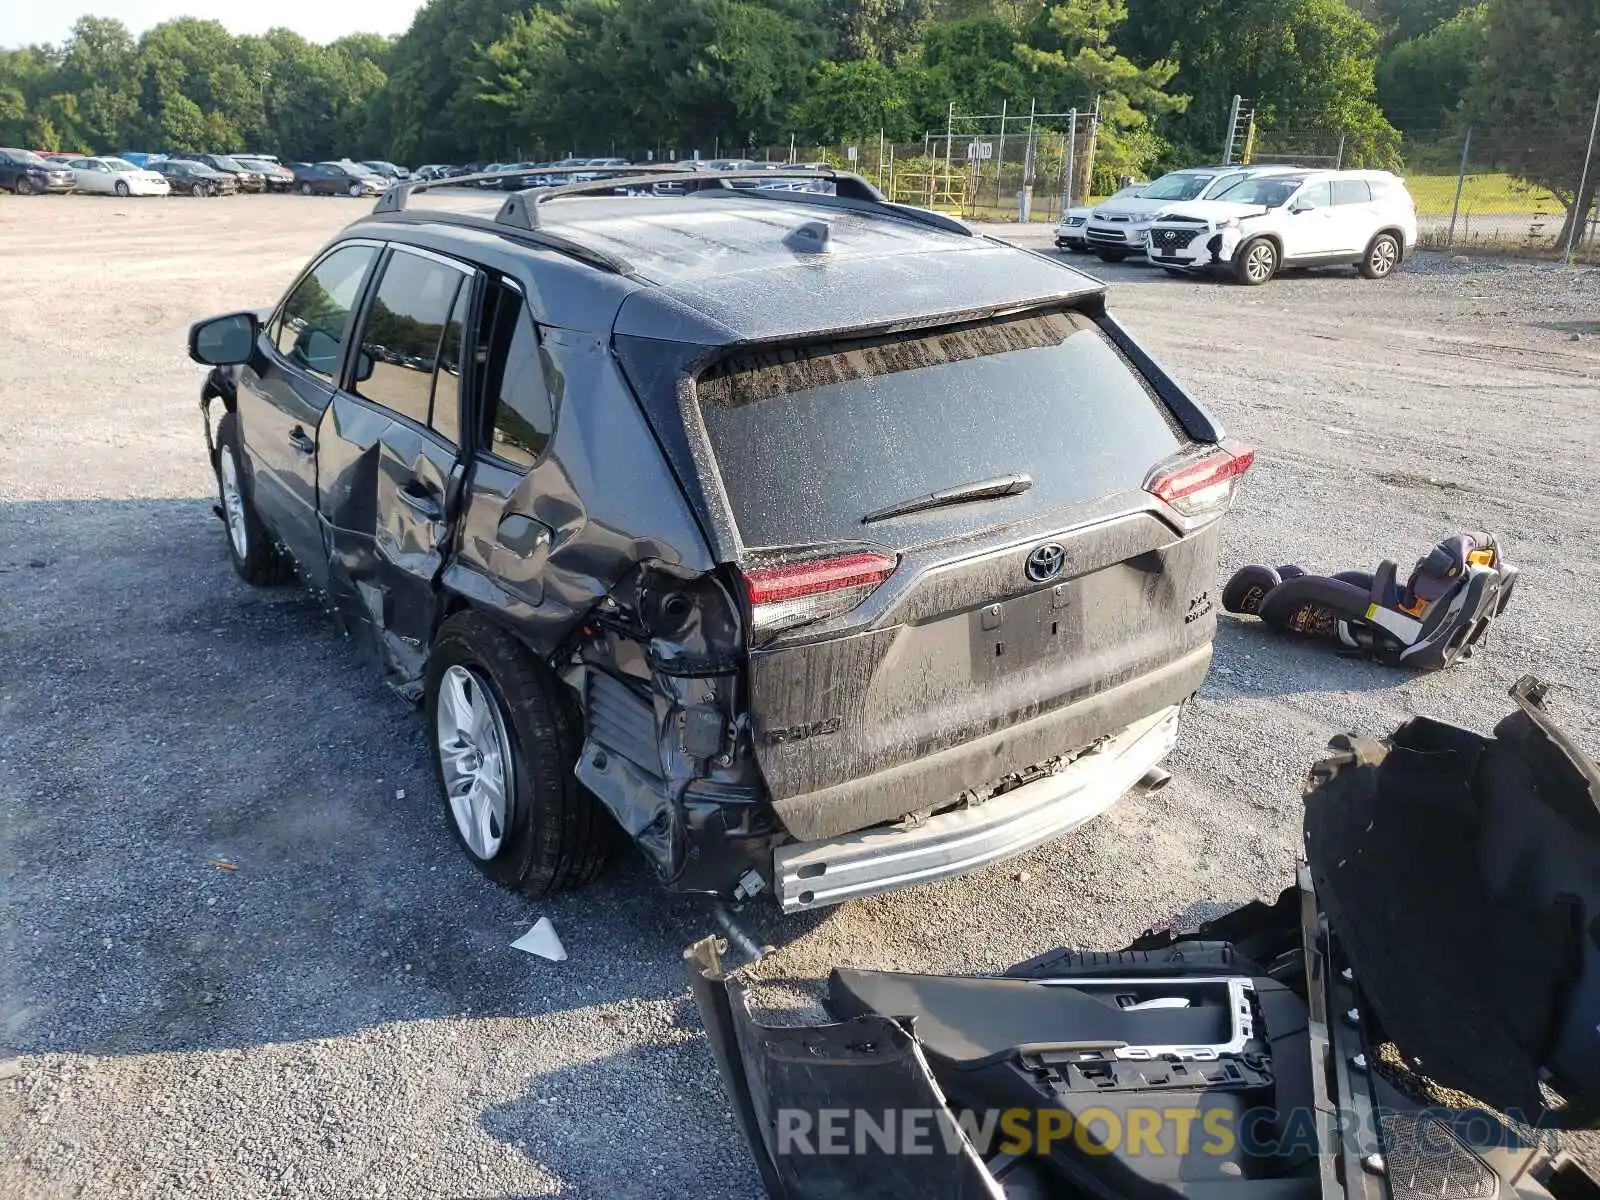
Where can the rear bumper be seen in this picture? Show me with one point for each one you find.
(816, 874)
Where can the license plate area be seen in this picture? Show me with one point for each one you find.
(1013, 635)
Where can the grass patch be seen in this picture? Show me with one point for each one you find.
(1487, 193)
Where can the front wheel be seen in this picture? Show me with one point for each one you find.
(504, 738)
(250, 547)
(200, 190)
(355, 191)
(24, 186)
(1257, 262)
(1382, 257)
(121, 189)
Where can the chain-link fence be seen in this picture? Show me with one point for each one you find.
(1474, 186)
(1027, 175)
(1502, 188)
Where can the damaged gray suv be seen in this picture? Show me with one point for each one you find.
(819, 544)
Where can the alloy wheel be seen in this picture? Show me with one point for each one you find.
(1383, 257)
(474, 759)
(233, 503)
(1261, 262)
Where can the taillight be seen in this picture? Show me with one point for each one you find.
(796, 593)
(1197, 486)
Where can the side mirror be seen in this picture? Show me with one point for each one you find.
(224, 341)
(364, 366)
(1300, 206)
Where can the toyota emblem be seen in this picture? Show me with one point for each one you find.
(1046, 562)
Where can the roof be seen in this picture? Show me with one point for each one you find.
(725, 265)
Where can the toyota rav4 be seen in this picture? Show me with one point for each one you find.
(819, 544)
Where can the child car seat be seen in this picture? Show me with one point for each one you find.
(1446, 605)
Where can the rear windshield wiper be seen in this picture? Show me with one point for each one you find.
(983, 489)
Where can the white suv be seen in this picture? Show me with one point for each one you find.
(1117, 227)
(1364, 219)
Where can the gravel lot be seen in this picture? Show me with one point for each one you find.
(342, 1014)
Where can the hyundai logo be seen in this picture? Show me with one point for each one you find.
(1046, 562)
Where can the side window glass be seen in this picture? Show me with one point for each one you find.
(446, 420)
(1316, 195)
(1351, 191)
(523, 416)
(1223, 184)
(311, 331)
(400, 342)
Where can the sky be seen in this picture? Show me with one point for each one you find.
(25, 21)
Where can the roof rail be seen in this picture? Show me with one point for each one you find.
(852, 192)
(396, 196)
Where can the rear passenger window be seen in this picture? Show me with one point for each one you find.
(1351, 191)
(311, 329)
(523, 415)
(403, 332)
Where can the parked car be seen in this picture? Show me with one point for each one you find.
(140, 158)
(257, 156)
(337, 179)
(735, 551)
(387, 170)
(1116, 230)
(247, 179)
(1364, 219)
(188, 178)
(277, 177)
(1072, 233)
(26, 174)
(116, 176)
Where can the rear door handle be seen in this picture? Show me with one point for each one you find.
(421, 502)
(301, 441)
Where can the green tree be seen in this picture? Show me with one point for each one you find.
(1422, 82)
(1533, 100)
(98, 68)
(524, 80)
(1082, 66)
(853, 100)
(882, 30)
(1306, 64)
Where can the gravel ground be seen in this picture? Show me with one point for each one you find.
(342, 1015)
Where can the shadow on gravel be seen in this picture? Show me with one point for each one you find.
(582, 1124)
(218, 828)
(1251, 659)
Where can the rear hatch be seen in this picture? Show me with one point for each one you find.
(908, 645)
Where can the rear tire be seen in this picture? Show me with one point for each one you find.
(554, 834)
(305, 189)
(250, 547)
(1255, 262)
(1382, 257)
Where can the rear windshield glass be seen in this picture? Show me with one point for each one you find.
(811, 439)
